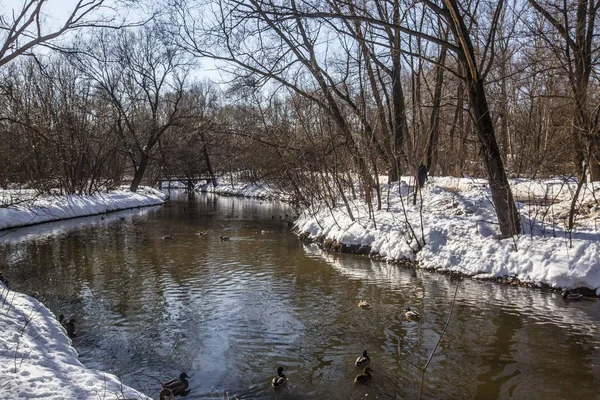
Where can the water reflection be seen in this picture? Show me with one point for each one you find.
(229, 313)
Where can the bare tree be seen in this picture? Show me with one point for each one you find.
(579, 53)
(54, 127)
(22, 29)
(143, 76)
(474, 70)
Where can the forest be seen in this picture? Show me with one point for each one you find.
(322, 99)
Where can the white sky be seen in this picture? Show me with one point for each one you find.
(57, 11)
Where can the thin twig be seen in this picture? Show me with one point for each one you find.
(438, 342)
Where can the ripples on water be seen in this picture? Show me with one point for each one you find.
(228, 313)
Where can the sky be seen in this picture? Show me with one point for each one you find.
(56, 13)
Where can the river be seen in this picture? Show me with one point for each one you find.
(154, 296)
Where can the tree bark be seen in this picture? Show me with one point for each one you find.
(400, 124)
(434, 124)
(502, 198)
(140, 169)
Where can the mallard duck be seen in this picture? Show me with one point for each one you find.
(364, 376)
(202, 233)
(166, 394)
(280, 379)
(363, 360)
(175, 387)
(68, 325)
(223, 238)
(568, 295)
(411, 314)
(167, 237)
(363, 304)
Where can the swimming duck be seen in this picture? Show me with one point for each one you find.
(175, 387)
(411, 314)
(202, 233)
(166, 237)
(364, 376)
(568, 295)
(363, 360)
(223, 238)
(166, 394)
(280, 379)
(363, 304)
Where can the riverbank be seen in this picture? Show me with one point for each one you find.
(231, 185)
(37, 360)
(453, 228)
(25, 208)
(36, 356)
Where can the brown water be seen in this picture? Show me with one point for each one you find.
(229, 313)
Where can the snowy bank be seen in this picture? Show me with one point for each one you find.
(38, 362)
(232, 185)
(28, 209)
(457, 231)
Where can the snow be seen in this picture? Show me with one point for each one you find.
(37, 360)
(29, 209)
(457, 230)
(234, 185)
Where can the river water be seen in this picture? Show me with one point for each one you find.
(229, 313)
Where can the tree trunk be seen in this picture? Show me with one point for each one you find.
(508, 215)
(434, 124)
(400, 125)
(140, 169)
(502, 198)
(209, 168)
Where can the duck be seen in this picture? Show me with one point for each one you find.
(363, 360)
(364, 376)
(68, 325)
(568, 295)
(175, 387)
(224, 238)
(202, 233)
(166, 237)
(280, 379)
(363, 304)
(411, 314)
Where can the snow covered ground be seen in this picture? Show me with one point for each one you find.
(457, 231)
(28, 209)
(38, 362)
(36, 357)
(231, 185)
